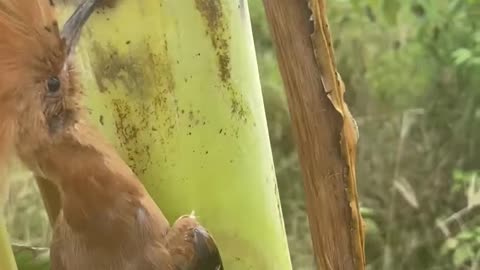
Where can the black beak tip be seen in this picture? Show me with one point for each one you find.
(73, 27)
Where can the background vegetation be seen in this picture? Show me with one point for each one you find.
(412, 73)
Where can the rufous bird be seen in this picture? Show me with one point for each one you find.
(107, 220)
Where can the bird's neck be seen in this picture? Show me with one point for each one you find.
(94, 182)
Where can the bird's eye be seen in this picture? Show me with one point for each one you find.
(53, 84)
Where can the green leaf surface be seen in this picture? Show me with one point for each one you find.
(31, 258)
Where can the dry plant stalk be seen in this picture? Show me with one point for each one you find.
(335, 89)
(324, 128)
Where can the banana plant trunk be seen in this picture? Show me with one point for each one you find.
(175, 86)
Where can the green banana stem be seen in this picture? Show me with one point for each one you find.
(175, 86)
(7, 260)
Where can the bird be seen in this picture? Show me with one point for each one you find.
(107, 219)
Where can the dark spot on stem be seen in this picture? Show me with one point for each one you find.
(218, 28)
(212, 12)
(144, 75)
(128, 69)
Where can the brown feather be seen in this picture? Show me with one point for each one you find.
(30, 50)
(30, 41)
(191, 246)
(23, 44)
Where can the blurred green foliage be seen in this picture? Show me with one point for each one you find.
(30, 258)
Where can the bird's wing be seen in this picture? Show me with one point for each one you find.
(208, 256)
(192, 247)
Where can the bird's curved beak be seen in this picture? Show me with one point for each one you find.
(73, 27)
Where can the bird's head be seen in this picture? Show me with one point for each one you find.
(38, 89)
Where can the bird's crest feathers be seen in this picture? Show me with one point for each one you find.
(30, 47)
(30, 42)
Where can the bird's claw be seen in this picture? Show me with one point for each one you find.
(206, 249)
